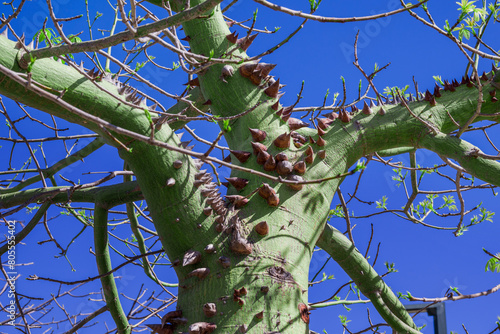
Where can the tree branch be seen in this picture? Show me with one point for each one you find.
(104, 266)
(366, 278)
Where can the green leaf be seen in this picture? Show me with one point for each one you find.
(148, 115)
(382, 204)
(493, 264)
(225, 125)
(438, 79)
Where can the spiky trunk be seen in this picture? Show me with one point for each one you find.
(243, 262)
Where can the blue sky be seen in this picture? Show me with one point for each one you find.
(428, 261)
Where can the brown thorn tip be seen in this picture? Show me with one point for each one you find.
(245, 42)
(232, 37)
(282, 141)
(193, 83)
(344, 116)
(366, 108)
(242, 156)
(272, 90)
(262, 228)
(295, 124)
(432, 101)
(258, 135)
(309, 155)
(258, 147)
(237, 182)
(191, 257)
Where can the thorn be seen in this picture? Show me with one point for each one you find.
(198, 163)
(91, 73)
(436, 91)
(122, 89)
(484, 77)
(207, 102)
(193, 83)
(200, 174)
(320, 141)
(242, 156)
(191, 257)
(323, 123)
(184, 144)
(469, 83)
(170, 182)
(187, 38)
(432, 101)
(366, 109)
(286, 116)
(300, 167)
(5, 33)
(233, 38)
(265, 69)
(107, 77)
(272, 91)
(247, 69)
(282, 141)
(309, 158)
(258, 147)
(237, 200)
(245, 42)
(31, 45)
(428, 96)
(258, 135)
(262, 157)
(237, 182)
(295, 124)
(276, 106)
(270, 164)
(344, 116)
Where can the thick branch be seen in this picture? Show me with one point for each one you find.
(464, 153)
(104, 266)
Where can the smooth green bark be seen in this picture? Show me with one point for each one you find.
(280, 260)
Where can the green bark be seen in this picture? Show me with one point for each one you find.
(279, 260)
(104, 266)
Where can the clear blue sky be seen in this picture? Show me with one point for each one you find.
(428, 261)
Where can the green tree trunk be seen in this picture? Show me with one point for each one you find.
(258, 283)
